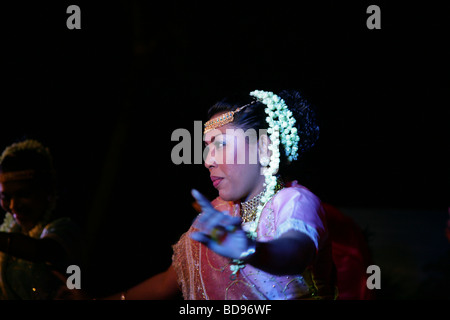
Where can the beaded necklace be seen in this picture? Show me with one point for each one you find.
(250, 213)
(249, 209)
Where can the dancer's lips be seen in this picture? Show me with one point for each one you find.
(216, 181)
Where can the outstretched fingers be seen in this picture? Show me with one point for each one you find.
(211, 218)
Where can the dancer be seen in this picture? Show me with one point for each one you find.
(263, 237)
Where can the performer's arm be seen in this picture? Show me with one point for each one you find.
(24, 247)
(159, 287)
(289, 254)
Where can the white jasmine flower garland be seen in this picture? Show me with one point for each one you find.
(281, 123)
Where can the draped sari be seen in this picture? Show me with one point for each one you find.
(205, 275)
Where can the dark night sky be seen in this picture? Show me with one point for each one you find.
(107, 98)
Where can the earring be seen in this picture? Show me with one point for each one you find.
(264, 161)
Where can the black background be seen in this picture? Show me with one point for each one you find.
(106, 99)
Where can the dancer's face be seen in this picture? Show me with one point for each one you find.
(231, 155)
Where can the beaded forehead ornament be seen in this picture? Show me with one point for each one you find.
(279, 117)
(222, 119)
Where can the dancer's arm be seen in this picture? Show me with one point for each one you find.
(159, 287)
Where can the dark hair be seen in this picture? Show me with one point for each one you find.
(254, 116)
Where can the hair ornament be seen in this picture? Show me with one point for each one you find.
(223, 119)
(280, 118)
(281, 130)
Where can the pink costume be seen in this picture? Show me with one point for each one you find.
(203, 274)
